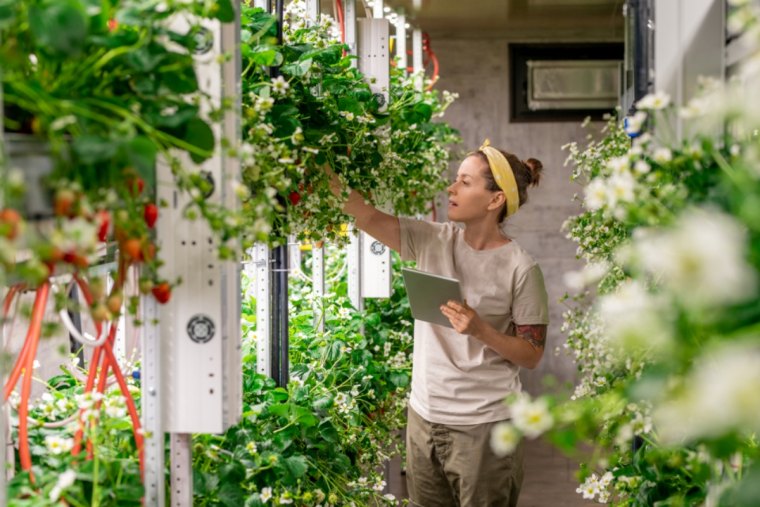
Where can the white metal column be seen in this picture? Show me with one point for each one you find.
(417, 63)
(312, 11)
(349, 16)
(263, 309)
(689, 43)
(354, 261)
(152, 425)
(294, 251)
(375, 64)
(181, 454)
(377, 9)
(401, 42)
(318, 284)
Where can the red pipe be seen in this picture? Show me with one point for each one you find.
(341, 20)
(33, 336)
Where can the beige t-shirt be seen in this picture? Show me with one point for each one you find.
(456, 379)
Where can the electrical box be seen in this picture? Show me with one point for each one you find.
(200, 326)
(376, 268)
(374, 56)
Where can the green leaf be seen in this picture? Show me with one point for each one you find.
(296, 465)
(265, 56)
(146, 58)
(225, 11)
(7, 12)
(178, 74)
(141, 154)
(279, 410)
(328, 431)
(59, 27)
(304, 417)
(231, 494)
(92, 149)
(297, 69)
(199, 134)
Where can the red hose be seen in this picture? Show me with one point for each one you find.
(33, 336)
(108, 361)
(341, 20)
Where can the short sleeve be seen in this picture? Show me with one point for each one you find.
(415, 234)
(530, 302)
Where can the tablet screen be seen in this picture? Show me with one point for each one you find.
(427, 292)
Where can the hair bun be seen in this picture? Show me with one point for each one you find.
(534, 166)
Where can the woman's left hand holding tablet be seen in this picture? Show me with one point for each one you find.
(463, 318)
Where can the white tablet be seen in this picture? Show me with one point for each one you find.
(427, 292)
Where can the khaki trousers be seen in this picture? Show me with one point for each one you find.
(454, 466)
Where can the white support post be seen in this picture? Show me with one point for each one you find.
(263, 310)
(318, 283)
(200, 325)
(354, 260)
(374, 63)
(689, 43)
(377, 9)
(262, 4)
(181, 455)
(417, 64)
(403, 61)
(294, 250)
(349, 16)
(152, 404)
(312, 11)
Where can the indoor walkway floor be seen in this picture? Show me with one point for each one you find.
(549, 479)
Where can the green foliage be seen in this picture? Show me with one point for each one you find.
(328, 432)
(318, 110)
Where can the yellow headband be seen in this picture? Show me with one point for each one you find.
(503, 174)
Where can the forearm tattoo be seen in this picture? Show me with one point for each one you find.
(534, 334)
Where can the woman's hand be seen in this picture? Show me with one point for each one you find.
(464, 319)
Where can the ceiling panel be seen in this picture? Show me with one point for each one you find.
(535, 19)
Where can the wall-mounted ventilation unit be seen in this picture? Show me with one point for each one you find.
(555, 82)
(573, 84)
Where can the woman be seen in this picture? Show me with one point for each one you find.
(461, 376)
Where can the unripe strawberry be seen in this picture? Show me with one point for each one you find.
(114, 303)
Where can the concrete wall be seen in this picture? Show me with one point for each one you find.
(478, 70)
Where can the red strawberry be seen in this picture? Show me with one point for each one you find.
(135, 185)
(63, 203)
(132, 249)
(112, 25)
(162, 292)
(103, 218)
(294, 198)
(9, 220)
(114, 303)
(150, 213)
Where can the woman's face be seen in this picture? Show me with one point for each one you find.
(468, 197)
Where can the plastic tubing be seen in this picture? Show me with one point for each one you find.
(35, 329)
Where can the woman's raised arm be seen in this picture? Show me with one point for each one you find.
(378, 224)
